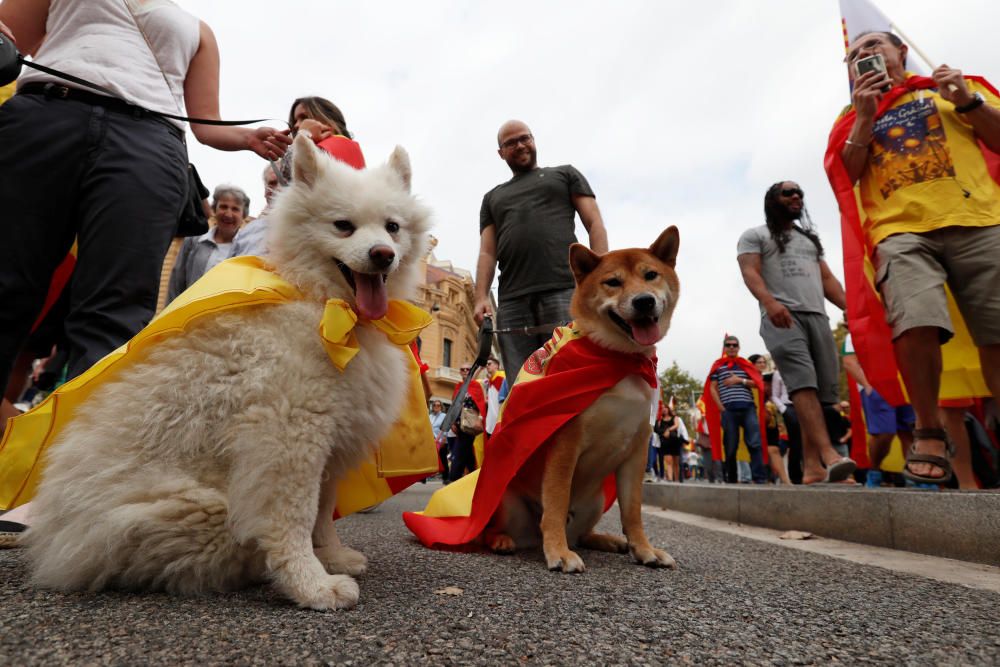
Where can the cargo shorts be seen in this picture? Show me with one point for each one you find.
(912, 271)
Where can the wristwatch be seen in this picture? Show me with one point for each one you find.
(977, 101)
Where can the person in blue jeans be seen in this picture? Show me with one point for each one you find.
(731, 388)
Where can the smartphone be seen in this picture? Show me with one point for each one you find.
(873, 63)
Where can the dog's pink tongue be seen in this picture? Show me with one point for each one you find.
(371, 295)
(645, 332)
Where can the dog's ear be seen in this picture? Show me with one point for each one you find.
(305, 165)
(665, 247)
(400, 163)
(582, 260)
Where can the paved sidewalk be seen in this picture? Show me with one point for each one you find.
(733, 600)
(964, 525)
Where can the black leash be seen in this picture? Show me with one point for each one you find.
(11, 61)
(528, 331)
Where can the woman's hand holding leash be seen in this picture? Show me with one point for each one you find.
(268, 142)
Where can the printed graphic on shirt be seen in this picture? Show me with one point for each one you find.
(797, 261)
(910, 147)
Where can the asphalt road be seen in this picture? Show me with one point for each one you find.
(732, 600)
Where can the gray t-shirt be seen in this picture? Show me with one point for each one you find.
(792, 277)
(534, 218)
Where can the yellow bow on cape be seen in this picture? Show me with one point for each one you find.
(407, 451)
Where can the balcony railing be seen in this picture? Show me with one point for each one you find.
(445, 373)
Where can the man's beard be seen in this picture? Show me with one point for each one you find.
(516, 167)
(789, 217)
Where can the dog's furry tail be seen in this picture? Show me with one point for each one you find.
(179, 543)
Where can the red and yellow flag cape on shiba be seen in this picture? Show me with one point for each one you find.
(961, 376)
(556, 384)
(713, 418)
(404, 456)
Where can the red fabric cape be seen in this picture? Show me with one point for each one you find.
(346, 150)
(576, 376)
(859, 434)
(866, 319)
(714, 418)
(475, 392)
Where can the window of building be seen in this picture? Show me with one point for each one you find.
(446, 354)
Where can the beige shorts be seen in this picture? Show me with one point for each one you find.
(912, 270)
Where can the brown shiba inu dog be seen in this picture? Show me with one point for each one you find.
(623, 302)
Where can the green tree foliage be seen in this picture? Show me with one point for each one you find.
(684, 387)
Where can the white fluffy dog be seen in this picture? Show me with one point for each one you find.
(212, 462)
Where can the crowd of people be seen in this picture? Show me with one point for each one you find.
(78, 277)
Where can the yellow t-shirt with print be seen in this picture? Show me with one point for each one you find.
(925, 170)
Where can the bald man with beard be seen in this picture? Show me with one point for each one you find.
(527, 225)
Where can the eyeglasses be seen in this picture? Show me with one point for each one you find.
(525, 139)
(732, 345)
(790, 192)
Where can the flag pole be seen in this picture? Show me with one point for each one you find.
(912, 45)
(923, 56)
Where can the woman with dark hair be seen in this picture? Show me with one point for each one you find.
(326, 125)
(670, 444)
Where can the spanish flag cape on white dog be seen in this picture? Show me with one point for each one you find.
(404, 456)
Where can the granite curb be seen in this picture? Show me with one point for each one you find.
(961, 525)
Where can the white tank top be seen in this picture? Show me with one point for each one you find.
(98, 40)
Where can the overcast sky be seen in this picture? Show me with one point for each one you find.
(678, 113)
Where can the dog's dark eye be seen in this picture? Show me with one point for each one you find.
(392, 227)
(613, 282)
(652, 275)
(345, 226)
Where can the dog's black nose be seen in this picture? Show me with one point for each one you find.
(644, 304)
(381, 256)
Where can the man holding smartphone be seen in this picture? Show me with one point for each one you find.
(922, 152)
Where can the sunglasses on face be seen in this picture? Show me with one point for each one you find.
(732, 344)
(514, 141)
(465, 370)
(789, 192)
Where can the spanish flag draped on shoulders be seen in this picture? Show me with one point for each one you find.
(404, 456)
(557, 383)
(713, 417)
(925, 160)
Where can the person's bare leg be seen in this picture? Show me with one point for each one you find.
(778, 465)
(961, 462)
(918, 355)
(989, 360)
(816, 447)
(878, 448)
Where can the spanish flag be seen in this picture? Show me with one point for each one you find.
(557, 383)
(404, 456)
(866, 319)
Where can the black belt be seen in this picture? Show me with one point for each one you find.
(57, 92)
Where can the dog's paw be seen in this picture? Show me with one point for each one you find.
(343, 560)
(566, 561)
(501, 543)
(336, 591)
(653, 557)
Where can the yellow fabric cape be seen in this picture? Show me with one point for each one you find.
(406, 453)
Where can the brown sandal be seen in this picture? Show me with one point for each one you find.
(941, 462)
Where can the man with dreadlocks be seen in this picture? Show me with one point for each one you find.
(783, 267)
